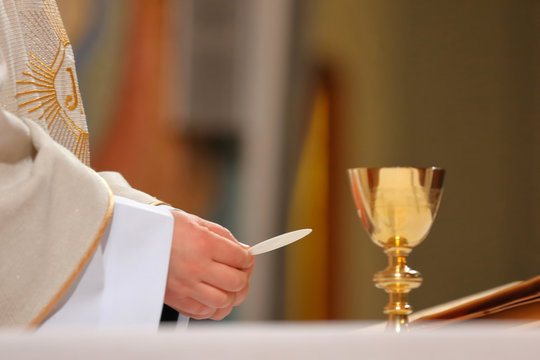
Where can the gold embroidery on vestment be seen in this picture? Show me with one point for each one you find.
(69, 98)
(44, 94)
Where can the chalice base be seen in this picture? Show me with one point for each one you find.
(397, 323)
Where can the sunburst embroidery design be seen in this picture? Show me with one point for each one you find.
(53, 101)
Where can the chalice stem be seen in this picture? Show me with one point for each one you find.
(397, 280)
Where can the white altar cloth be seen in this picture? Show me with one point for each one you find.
(277, 341)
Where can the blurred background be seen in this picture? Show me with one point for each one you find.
(249, 112)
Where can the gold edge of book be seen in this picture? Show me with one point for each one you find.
(516, 301)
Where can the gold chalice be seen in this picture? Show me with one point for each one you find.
(397, 206)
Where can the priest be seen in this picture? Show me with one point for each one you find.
(80, 248)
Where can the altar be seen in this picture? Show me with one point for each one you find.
(280, 341)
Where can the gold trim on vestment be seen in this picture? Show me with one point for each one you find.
(159, 202)
(82, 262)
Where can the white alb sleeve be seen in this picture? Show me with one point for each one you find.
(124, 283)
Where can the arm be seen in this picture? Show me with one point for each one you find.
(208, 270)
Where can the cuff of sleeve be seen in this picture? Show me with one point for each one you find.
(136, 260)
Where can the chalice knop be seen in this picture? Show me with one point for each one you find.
(397, 206)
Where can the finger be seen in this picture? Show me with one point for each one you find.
(218, 229)
(225, 277)
(211, 296)
(250, 269)
(243, 293)
(241, 296)
(220, 314)
(227, 251)
(192, 307)
(198, 316)
(232, 254)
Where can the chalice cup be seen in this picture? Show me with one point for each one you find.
(397, 206)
